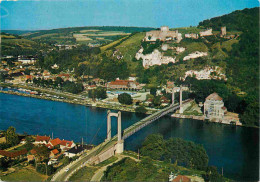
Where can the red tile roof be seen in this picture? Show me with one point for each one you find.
(120, 82)
(55, 142)
(42, 138)
(49, 146)
(13, 154)
(64, 75)
(181, 178)
(66, 143)
(28, 76)
(55, 151)
(33, 151)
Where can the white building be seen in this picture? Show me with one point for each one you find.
(26, 60)
(207, 32)
(191, 35)
(214, 107)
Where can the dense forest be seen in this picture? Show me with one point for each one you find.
(160, 157)
(239, 20)
(243, 61)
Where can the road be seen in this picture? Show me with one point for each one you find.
(62, 175)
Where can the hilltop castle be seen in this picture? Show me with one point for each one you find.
(164, 34)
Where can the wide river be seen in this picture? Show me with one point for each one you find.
(236, 149)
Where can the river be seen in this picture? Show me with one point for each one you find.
(236, 149)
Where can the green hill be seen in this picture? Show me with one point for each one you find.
(239, 20)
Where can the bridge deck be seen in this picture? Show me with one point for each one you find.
(151, 118)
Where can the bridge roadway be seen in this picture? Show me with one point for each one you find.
(62, 175)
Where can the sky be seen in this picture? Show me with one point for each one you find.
(50, 14)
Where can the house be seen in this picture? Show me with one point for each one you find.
(26, 59)
(54, 153)
(53, 143)
(124, 85)
(181, 178)
(55, 66)
(214, 107)
(53, 161)
(46, 74)
(164, 34)
(169, 86)
(30, 158)
(207, 32)
(65, 144)
(33, 151)
(192, 36)
(164, 101)
(42, 140)
(75, 151)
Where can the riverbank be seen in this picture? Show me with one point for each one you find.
(73, 99)
(202, 118)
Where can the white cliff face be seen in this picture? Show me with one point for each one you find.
(180, 49)
(194, 55)
(205, 74)
(155, 58)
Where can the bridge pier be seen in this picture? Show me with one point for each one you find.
(173, 96)
(181, 107)
(108, 125)
(120, 142)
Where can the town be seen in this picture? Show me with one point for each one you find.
(162, 98)
(26, 77)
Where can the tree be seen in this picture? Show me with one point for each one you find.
(2, 77)
(153, 91)
(176, 150)
(42, 151)
(27, 71)
(141, 109)
(101, 93)
(213, 175)
(125, 98)
(153, 146)
(157, 101)
(11, 136)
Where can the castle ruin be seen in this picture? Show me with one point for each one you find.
(164, 34)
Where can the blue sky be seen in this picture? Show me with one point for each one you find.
(49, 14)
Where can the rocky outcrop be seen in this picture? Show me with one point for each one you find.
(155, 58)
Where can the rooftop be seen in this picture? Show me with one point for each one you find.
(214, 96)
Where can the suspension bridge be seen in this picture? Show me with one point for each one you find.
(115, 145)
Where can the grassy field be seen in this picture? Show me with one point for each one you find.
(108, 161)
(7, 37)
(192, 47)
(84, 174)
(25, 174)
(46, 35)
(130, 47)
(105, 47)
(24, 42)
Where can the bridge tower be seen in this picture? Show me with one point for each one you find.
(181, 107)
(173, 96)
(120, 142)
